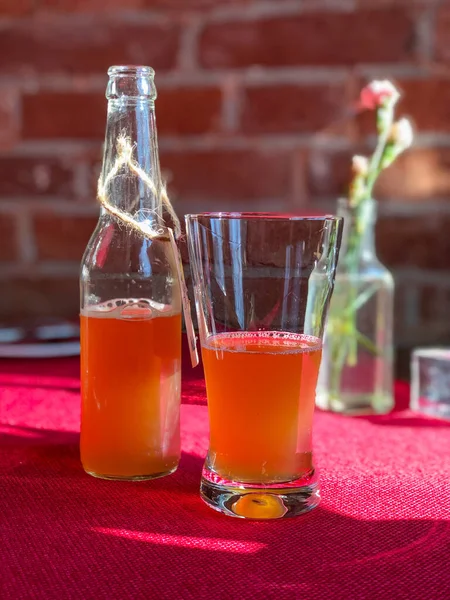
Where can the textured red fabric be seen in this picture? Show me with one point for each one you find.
(382, 530)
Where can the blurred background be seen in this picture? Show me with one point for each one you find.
(256, 111)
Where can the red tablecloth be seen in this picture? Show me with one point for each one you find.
(382, 530)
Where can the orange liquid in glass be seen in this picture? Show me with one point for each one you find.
(261, 393)
(130, 372)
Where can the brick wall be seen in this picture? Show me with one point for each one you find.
(254, 112)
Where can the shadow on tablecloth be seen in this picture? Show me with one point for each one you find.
(66, 535)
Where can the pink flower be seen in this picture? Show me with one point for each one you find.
(377, 94)
(402, 134)
(360, 165)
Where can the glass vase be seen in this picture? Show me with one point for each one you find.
(356, 375)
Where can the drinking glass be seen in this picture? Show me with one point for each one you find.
(262, 285)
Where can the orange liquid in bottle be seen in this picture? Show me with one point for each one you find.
(261, 393)
(130, 371)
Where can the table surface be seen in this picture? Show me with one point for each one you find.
(382, 529)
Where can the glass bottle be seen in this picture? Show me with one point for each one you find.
(356, 375)
(130, 306)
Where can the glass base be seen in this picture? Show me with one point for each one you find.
(356, 404)
(260, 502)
(131, 477)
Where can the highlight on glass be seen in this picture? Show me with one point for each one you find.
(262, 286)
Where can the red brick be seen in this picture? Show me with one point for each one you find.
(40, 297)
(328, 173)
(8, 238)
(419, 241)
(434, 303)
(45, 46)
(83, 115)
(9, 118)
(189, 4)
(402, 291)
(291, 108)
(26, 176)
(62, 237)
(262, 297)
(419, 174)
(443, 34)
(267, 243)
(226, 175)
(108, 5)
(188, 110)
(427, 102)
(68, 6)
(393, 3)
(64, 115)
(328, 38)
(431, 325)
(16, 8)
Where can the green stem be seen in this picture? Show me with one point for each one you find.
(367, 343)
(361, 299)
(338, 357)
(377, 158)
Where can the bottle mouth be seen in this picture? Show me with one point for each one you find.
(129, 82)
(131, 70)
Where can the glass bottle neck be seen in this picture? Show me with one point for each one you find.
(134, 118)
(359, 229)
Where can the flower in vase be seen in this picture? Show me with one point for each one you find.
(360, 168)
(393, 138)
(378, 94)
(402, 134)
(400, 138)
(360, 165)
